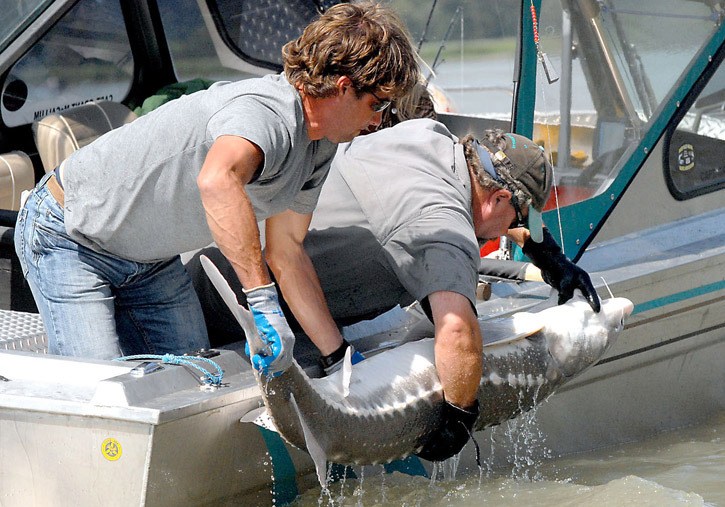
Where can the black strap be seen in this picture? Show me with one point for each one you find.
(330, 359)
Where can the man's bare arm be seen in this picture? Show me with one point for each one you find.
(296, 276)
(230, 164)
(458, 347)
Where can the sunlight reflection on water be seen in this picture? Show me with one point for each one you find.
(679, 468)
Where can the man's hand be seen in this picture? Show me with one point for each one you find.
(560, 272)
(273, 330)
(452, 435)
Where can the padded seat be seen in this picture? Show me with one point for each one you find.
(60, 134)
(16, 175)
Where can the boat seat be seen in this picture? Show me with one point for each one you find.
(60, 134)
(16, 175)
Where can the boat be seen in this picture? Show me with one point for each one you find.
(626, 97)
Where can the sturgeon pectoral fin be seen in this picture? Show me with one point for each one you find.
(260, 416)
(504, 331)
(313, 446)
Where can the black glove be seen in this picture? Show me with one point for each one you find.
(560, 272)
(452, 435)
(333, 362)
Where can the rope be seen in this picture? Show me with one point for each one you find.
(211, 379)
(478, 449)
(535, 24)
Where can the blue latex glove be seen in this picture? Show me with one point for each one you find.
(276, 335)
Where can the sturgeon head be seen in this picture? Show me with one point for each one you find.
(520, 373)
(382, 408)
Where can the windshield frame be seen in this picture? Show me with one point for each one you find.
(576, 225)
(17, 25)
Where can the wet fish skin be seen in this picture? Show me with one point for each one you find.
(395, 398)
(518, 375)
(382, 408)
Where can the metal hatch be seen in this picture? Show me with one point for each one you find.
(248, 35)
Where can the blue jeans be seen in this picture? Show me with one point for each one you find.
(97, 305)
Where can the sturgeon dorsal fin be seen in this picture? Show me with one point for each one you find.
(346, 372)
(314, 449)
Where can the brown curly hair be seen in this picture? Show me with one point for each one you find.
(364, 41)
(417, 103)
(532, 176)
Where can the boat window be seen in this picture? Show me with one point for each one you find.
(626, 58)
(84, 57)
(468, 53)
(192, 43)
(16, 16)
(259, 28)
(693, 155)
(229, 37)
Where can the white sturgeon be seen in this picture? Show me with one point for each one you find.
(381, 409)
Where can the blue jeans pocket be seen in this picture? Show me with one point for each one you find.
(48, 224)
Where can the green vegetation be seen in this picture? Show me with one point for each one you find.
(481, 20)
(480, 29)
(472, 48)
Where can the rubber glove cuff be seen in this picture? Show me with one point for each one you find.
(452, 435)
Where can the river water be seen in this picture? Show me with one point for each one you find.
(679, 468)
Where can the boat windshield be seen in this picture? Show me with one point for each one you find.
(16, 16)
(468, 54)
(619, 62)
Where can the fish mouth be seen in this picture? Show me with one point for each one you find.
(617, 310)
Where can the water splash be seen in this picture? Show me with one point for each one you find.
(445, 470)
(359, 490)
(523, 442)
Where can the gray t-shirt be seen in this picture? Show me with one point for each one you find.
(133, 191)
(394, 221)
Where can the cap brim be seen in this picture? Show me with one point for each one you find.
(536, 225)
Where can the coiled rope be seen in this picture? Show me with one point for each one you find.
(210, 378)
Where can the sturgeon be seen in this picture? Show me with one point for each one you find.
(382, 408)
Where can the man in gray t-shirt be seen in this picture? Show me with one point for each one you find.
(399, 219)
(99, 238)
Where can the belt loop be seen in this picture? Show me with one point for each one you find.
(56, 173)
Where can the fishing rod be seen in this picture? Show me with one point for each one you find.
(427, 25)
(435, 63)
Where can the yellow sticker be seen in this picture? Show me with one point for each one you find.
(685, 157)
(111, 449)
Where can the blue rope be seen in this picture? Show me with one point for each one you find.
(212, 379)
